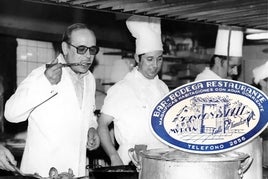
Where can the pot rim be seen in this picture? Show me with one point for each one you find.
(181, 156)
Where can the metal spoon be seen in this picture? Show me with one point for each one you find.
(69, 64)
(20, 173)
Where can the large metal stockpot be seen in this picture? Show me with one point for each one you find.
(176, 164)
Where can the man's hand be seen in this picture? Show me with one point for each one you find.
(6, 158)
(53, 72)
(93, 141)
(116, 160)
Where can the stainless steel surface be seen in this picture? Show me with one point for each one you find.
(83, 177)
(116, 172)
(173, 164)
(265, 153)
(241, 13)
(120, 168)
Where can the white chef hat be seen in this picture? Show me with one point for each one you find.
(260, 72)
(147, 31)
(236, 41)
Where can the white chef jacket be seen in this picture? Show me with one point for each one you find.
(57, 125)
(130, 102)
(254, 148)
(207, 74)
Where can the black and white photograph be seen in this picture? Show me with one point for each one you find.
(133, 89)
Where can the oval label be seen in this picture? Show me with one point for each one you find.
(210, 116)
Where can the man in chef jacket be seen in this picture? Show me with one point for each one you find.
(220, 67)
(225, 63)
(260, 79)
(260, 76)
(129, 102)
(6, 156)
(58, 103)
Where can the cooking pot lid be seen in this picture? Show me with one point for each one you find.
(181, 156)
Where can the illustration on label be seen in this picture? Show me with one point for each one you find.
(210, 116)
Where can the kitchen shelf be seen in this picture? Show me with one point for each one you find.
(189, 57)
(183, 67)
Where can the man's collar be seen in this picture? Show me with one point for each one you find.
(140, 75)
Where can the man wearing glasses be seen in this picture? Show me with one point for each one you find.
(58, 99)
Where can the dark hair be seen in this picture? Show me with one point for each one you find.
(212, 60)
(67, 34)
(140, 55)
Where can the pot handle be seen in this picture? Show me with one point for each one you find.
(133, 156)
(245, 166)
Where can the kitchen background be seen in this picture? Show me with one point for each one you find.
(30, 35)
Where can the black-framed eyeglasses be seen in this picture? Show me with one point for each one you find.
(93, 50)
